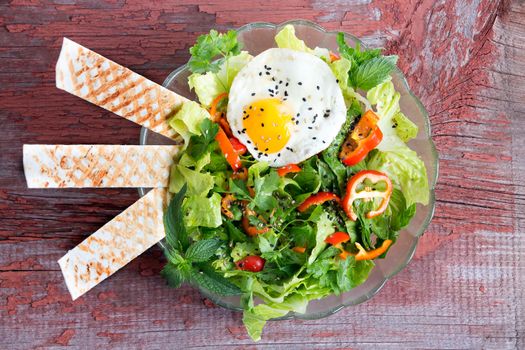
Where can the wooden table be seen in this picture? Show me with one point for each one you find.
(463, 290)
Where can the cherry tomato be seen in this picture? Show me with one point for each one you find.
(251, 263)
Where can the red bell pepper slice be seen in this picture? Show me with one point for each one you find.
(337, 238)
(290, 168)
(238, 146)
(364, 138)
(316, 199)
(367, 193)
(227, 149)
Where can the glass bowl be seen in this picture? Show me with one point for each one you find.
(259, 36)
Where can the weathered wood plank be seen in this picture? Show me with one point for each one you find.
(463, 290)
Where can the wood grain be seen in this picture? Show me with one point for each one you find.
(463, 290)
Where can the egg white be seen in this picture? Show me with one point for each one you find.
(307, 85)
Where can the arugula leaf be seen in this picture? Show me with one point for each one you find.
(202, 251)
(211, 45)
(207, 278)
(173, 222)
(172, 275)
(239, 189)
(400, 213)
(331, 154)
(234, 234)
(373, 72)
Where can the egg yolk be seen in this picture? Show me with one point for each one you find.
(266, 122)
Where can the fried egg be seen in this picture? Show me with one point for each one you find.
(285, 106)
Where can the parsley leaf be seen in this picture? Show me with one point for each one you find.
(211, 45)
(199, 144)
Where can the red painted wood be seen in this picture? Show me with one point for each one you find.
(464, 288)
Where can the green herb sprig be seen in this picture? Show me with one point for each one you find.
(190, 262)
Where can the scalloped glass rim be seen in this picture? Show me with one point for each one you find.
(431, 163)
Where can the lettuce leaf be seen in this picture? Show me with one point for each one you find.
(286, 39)
(203, 211)
(186, 122)
(209, 85)
(405, 169)
(393, 156)
(324, 229)
(199, 184)
(393, 122)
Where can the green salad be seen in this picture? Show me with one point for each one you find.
(295, 174)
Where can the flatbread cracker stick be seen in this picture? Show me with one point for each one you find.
(94, 78)
(52, 166)
(115, 244)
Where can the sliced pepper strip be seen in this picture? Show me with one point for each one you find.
(299, 250)
(337, 238)
(367, 193)
(364, 138)
(334, 56)
(227, 149)
(215, 103)
(318, 198)
(372, 254)
(238, 146)
(226, 203)
(290, 168)
(248, 228)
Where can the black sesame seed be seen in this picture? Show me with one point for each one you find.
(248, 142)
(286, 84)
(278, 154)
(276, 87)
(262, 124)
(309, 108)
(324, 141)
(318, 88)
(337, 81)
(297, 122)
(285, 93)
(304, 99)
(310, 128)
(270, 91)
(267, 73)
(262, 109)
(266, 149)
(253, 93)
(314, 138)
(250, 107)
(280, 81)
(260, 74)
(299, 83)
(259, 154)
(298, 114)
